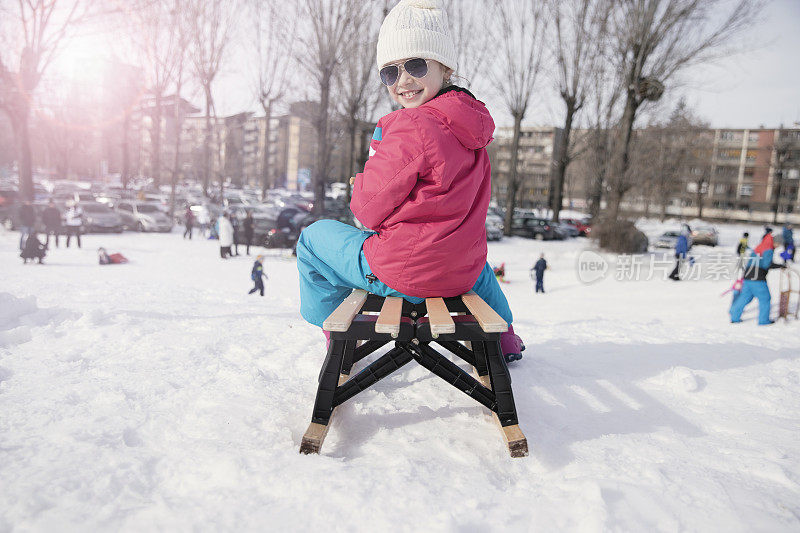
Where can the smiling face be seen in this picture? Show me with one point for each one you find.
(412, 92)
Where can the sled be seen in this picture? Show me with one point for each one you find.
(786, 290)
(418, 332)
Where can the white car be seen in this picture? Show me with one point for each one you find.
(144, 217)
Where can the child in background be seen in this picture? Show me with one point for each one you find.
(424, 192)
(500, 273)
(257, 275)
(33, 248)
(113, 259)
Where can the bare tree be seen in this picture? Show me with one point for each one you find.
(40, 29)
(212, 25)
(472, 41)
(181, 58)
(520, 44)
(656, 39)
(358, 85)
(274, 27)
(155, 33)
(579, 41)
(332, 23)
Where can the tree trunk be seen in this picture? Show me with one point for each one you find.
(176, 162)
(513, 185)
(622, 159)
(22, 131)
(207, 142)
(155, 156)
(320, 173)
(777, 204)
(700, 198)
(126, 156)
(352, 156)
(562, 162)
(266, 181)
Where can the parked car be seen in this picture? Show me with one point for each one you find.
(99, 217)
(583, 226)
(705, 235)
(567, 230)
(668, 239)
(494, 227)
(73, 196)
(533, 228)
(143, 217)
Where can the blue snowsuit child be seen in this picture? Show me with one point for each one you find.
(257, 275)
(755, 283)
(681, 249)
(788, 241)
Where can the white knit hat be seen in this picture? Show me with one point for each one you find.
(416, 28)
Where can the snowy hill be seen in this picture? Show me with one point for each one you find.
(158, 395)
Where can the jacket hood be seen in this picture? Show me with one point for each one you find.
(766, 244)
(465, 116)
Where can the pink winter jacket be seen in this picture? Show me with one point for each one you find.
(426, 190)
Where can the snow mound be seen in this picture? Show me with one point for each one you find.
(19, 315)
(679, 379)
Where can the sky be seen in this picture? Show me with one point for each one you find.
(758, 85)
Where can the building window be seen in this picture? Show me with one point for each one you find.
(746, 190)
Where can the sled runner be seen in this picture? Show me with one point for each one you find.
(414, 329)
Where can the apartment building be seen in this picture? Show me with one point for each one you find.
(537, 148)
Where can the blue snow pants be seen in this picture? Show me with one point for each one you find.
(331, 263)
(752, 289)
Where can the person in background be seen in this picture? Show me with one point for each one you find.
(27, 220)
(247, 226)
(744, 244)
(538, 270)
(51, 217)
(759, 263)
(188, 218)
(681, 249)
(225, 231)
(258, 276)
(237, 235)
(74, 221)
(788, 241)
(33, 249)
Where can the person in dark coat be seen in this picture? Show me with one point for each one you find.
(237, 233)
(51, 217)
(538, 269)
(257, 275)
(189, 221)
(681, 249)
(247, 226)
(27, 219)
(34, 249)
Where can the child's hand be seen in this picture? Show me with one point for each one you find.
(352, 181)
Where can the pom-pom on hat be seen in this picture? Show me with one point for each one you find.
(416, 28)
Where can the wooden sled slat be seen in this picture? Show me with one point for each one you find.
(440, 320)
(389, 319)
(488, 319)
(342, 316)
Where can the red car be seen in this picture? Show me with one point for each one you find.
(584, 229)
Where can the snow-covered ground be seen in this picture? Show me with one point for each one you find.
(158, 395)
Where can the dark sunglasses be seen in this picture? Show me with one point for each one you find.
(416, 67)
